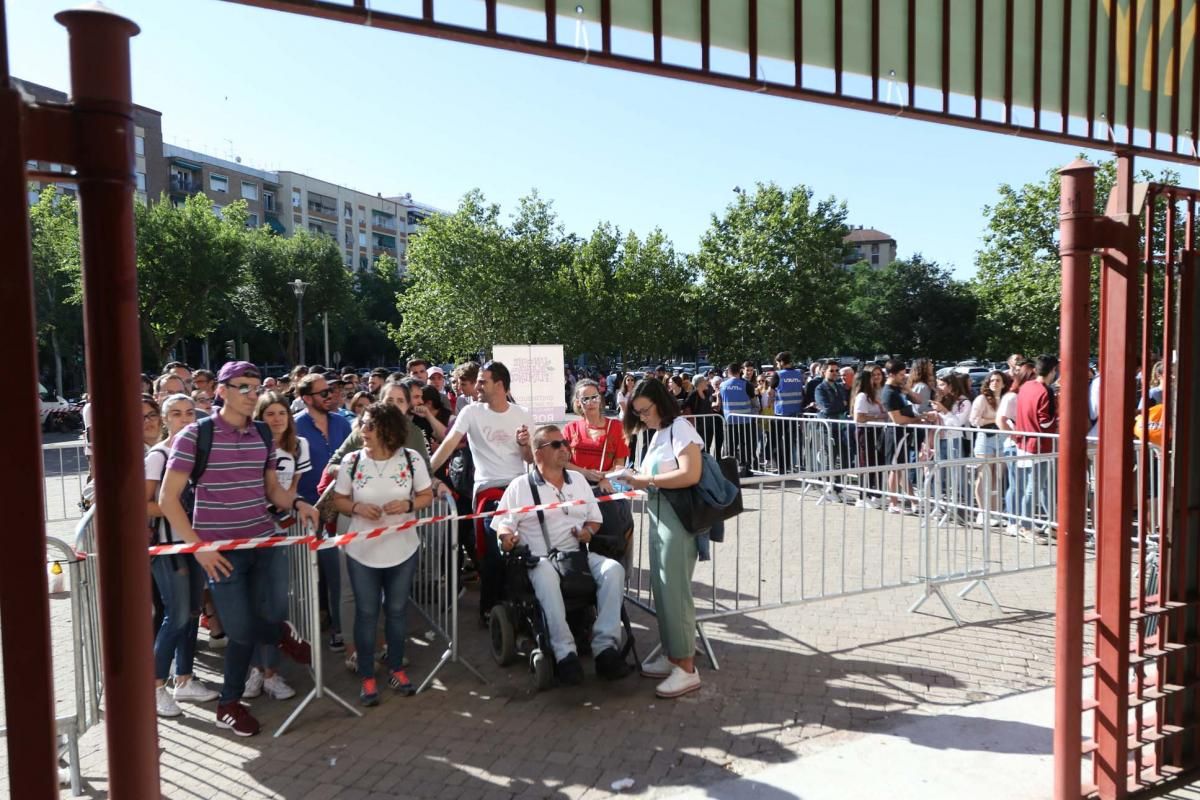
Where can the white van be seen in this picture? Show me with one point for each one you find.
(51, 402)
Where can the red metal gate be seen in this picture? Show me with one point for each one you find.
(1142, 658)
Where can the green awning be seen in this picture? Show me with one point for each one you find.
(275, 225)
(183, 162)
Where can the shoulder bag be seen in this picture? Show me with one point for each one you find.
(574, 574)
(689, 504)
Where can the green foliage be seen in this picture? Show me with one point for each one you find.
(911, 307)
(54, 242)
(772, 273)
(187, 263)
(272, 262)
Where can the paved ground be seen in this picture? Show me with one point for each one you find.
(795, 683)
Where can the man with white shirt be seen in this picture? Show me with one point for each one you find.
(562, 531)
(497, 433)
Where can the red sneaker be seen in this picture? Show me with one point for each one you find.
(237, 718)
(399, 681)
(296, 648)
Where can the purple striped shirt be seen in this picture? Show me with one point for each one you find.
(231, 498)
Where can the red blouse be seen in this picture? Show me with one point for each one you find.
(589, 445)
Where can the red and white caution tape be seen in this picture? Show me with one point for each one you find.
(341, 540)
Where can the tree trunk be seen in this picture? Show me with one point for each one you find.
(58, 368)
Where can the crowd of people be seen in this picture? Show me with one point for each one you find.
(237, 454)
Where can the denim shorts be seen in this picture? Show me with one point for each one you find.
(987, 444)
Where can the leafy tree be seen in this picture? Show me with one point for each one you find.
(912, 307)
(1019, 271)
(771, 271)
(54, 234)
(652, 300)
(272, 262)
(188, 261)
(372, 314)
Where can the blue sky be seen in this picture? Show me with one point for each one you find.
(391, 113)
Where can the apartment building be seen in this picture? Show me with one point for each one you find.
(190, 172)
(365, 226)
(867, 244)
(148, 147)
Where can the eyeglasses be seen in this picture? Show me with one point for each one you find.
(591, 398)
(368, 425)
(245, 389)
(643, 412)
(150, 416)
(203, 399)
(556, 444)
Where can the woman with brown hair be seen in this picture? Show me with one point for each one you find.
(672, 461)
(383, 484)
(597, 443)
(988, 480)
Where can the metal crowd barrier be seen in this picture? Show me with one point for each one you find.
(86, 674)
(436, 591)
(65, 468)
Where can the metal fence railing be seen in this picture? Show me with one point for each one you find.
(65, 469)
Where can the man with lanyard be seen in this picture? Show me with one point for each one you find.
(789, 402)
(739, 424)
(562, 533)
(831, 399)
(498, 436)
(231, 499)
(325, 433)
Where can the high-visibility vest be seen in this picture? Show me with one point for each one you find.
(735, 399)
(789, 397)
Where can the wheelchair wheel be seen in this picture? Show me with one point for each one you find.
(504, 645)
(542, 667)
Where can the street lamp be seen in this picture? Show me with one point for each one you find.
(298, 286)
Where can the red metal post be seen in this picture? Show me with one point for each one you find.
(24, 603)
(1076, 222)
(1114, 492)
(103, 124)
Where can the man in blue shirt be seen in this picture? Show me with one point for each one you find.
(832, 401)
(325, 433)
(789, 402)
(735, 405)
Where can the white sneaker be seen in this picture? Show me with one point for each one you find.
(657, 667)
(679, 683)
(254, 684)
(1011, 530)
(980, 521)
(866, 502)
(194, 691)
(164, 703)
(276, 687)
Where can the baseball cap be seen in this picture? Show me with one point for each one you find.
(436, 371)
(236, 369)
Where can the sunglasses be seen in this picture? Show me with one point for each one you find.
(556, 444)
(245, 389)
(592, 398)
(323, 394)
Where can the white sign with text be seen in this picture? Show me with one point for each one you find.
(538, 378)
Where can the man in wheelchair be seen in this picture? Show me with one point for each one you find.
(557, 539)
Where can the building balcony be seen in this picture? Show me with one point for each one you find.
(328, 212)
(384, 223)
(185, 185)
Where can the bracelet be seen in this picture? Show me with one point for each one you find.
(353, 506)
(296, 502)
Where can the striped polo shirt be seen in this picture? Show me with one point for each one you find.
(231, 499)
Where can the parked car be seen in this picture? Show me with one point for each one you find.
(57, 415)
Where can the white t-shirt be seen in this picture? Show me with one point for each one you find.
(663, 453)
(558, 524)
(863, 405)
(493, 440)
(1007, 410)
(379, 483)
(156, 467)
(87, 429)
(289, 467)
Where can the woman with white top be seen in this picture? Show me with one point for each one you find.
(178, 578)
(672, 461)
(988, 481)
(384, 484)
(867, 409)
(1006, 420)
(291, 461)
(625, 392)
(953, 407)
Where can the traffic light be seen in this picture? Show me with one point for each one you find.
(231, 349)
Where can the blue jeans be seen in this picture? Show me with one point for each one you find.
(331, 585)
(1037, 495)
(273, 603)
(1012, 498)
(394, 584)
(239, 603)
(180, 582)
